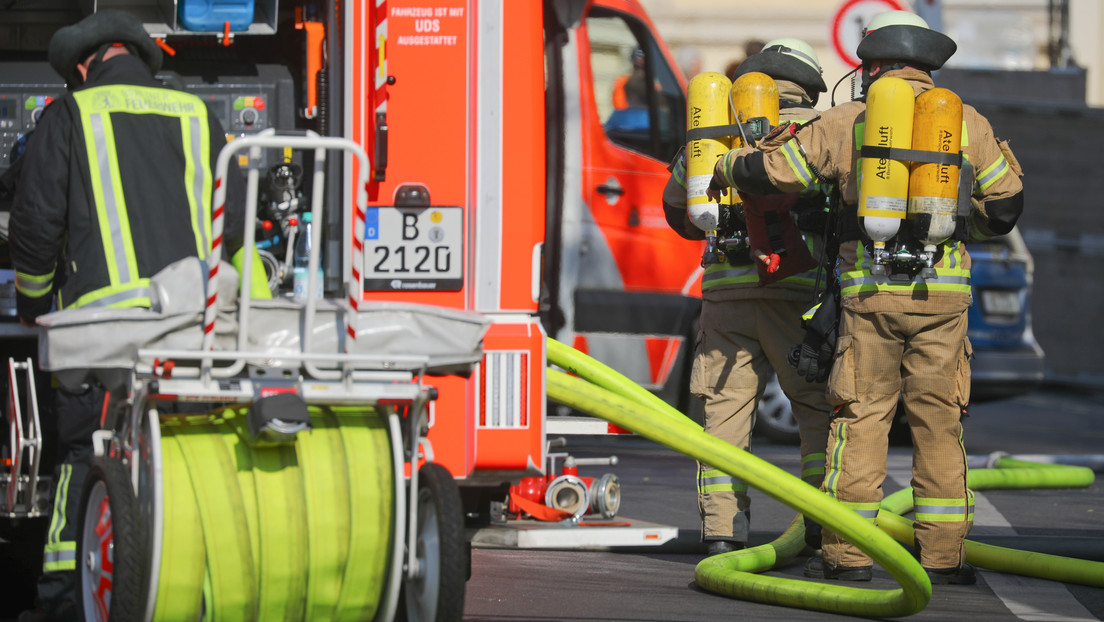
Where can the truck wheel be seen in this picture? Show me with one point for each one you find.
(437, 593)
(109, 552)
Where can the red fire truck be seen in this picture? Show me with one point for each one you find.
(518, 152)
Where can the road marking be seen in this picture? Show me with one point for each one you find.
(1035, 600)
(1030, 599)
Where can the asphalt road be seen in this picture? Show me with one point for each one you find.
(657, 584)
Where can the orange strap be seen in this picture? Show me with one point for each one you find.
(540, 511)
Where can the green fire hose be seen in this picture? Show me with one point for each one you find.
(618, 400)
(603, 392)
(1017, 474)
(287, 532)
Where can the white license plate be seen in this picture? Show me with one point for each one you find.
(413, 248)
(1000, 302)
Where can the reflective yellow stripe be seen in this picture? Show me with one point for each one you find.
(34, 285)
(835, 461)
(948, 280)
(723, 274)
(60, 556)
(996, 170)
(717, 275)
(713, 480)
(131, 295)
(797, 161)
(193, 131)
(812, 465)
(867, 510)
(937, 510)
(950, 276)
(52, 558)
(678, 171)
(107, 192)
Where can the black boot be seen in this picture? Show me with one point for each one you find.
(961, 575)
(717, 547)
(817, 568)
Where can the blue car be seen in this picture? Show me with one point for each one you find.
(1007, 359)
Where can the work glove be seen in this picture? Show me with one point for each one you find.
(813, 357)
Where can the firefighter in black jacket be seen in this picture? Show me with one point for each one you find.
(117, 184)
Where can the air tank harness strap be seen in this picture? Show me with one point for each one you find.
(911, 155)
(755, 128)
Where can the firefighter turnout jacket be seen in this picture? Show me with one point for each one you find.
(117, 184)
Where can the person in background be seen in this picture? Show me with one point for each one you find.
(752, 47)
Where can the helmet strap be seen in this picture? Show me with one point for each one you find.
(868, 79)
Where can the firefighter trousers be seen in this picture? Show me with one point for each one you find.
(923, 360)
(740, 342)
(78, 415)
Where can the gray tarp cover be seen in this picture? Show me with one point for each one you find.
(109, 339)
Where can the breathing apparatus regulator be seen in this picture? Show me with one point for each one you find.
(724, 114)
(911, 161)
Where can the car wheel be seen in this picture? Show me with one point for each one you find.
(774, 417)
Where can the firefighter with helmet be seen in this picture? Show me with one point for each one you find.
(747, 330)
(117, 183)
(902, 335)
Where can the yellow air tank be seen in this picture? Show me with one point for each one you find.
(706, 106)
(884, 183)
(933, 188)
(753, 95)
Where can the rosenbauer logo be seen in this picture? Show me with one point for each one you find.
(404, 285)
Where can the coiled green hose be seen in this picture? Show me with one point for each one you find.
(287, 532)
(607, 394)
(733, 574)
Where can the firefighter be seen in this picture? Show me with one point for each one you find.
(747, 330)
(902, 335)
(116, 184)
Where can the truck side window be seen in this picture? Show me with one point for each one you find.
(639, 100)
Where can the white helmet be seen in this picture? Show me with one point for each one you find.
(787, 59)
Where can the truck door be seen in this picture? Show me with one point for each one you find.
(626, 279)
(634, 127)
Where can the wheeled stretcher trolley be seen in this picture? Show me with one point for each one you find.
(262, 459)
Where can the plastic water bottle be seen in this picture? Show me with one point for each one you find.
(300, 261)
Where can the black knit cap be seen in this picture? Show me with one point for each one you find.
(921, 47)
(72, 44)
(779, 65)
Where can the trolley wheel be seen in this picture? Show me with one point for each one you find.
(109, 565)
(437, 593)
